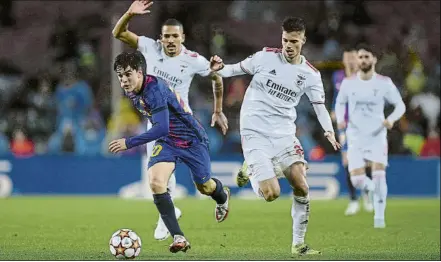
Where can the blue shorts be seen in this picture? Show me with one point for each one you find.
(196, 157)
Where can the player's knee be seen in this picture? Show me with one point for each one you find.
(270, 193)
(207, 188)
(158, 185)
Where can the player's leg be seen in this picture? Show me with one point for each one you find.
(357, 169)
(197, 158)
(161, 231)
(292, 162)
(380, 194)
(379, 159)
(353, 206)
(367, 200)
(161, 165)
(257, 151)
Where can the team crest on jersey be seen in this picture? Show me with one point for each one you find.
(300, 80)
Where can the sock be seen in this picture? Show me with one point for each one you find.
(380, 193)
(165, 206)
(362, 182)
(300, 217)
(351, 189)
(219, 194)
(255, 186)
(171, 186)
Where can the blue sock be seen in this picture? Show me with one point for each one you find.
(219, 194)
(165, 206)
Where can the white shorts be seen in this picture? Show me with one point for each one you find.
(269, 157)
(375, 151)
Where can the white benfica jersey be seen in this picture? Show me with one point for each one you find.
(366, 101)
(276, 88)
(177, 71)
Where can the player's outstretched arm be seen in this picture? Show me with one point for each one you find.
(248, 66)
(121, 32)
(160, 129)
(218, 93)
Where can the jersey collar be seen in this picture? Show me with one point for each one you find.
(283, 58)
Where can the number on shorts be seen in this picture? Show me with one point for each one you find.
(156, 150)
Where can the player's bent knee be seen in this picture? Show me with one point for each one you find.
(207, 188)
(270, 189)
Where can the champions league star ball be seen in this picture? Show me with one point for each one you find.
(125, 243)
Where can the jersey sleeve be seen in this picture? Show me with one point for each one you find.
(146, 44)
(202, 66)
(156, 98)
(315, 90)
(252, 64)
(392, 94)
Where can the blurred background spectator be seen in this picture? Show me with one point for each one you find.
(55, 75)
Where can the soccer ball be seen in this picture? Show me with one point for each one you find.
(125, 243)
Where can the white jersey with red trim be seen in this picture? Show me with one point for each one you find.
(366, 101)
(177, 71)
(276, 88)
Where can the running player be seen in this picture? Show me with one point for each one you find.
(366, 93)
(350, 62)
(170, 60)
(271, 150)
(179, 137)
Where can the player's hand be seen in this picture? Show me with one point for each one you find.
(221, 120)
(388, 124)
(331, 138)
(139, 7)
(216, 63)
(117, 145)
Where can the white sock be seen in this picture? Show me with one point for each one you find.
(380, 193)
(171, 186)
(362, 182)
(300, 217)
(255, 186)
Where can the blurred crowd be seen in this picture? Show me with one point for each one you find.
(55, 90)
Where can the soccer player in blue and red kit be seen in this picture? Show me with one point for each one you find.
(179, 137)
(350, 62)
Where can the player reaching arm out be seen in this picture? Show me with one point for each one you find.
(315, 91)
(171, 61)
(121, 29)
(171, 42)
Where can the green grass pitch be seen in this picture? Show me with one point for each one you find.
(68, 228)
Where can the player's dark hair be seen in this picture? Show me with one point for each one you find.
(349, 48)
(173, 22)
(134, 60)
(293, 24)
(368, 48)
